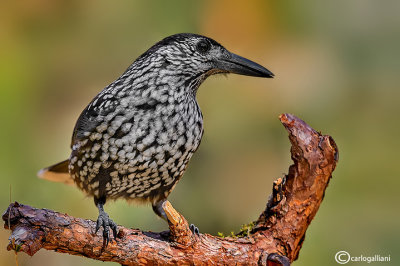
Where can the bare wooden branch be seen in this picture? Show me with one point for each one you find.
(275, 238)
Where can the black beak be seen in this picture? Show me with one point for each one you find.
(242, 66)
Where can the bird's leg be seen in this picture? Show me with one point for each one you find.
(104, 221)
(158, 208)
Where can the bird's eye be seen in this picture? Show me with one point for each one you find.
(203, 46)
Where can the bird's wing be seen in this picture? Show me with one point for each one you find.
(57, 173)
(91, 117)
(86, 123)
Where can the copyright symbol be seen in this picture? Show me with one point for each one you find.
(342, 257)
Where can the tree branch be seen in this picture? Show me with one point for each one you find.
(274, 239)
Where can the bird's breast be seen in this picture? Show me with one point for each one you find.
(138, 151)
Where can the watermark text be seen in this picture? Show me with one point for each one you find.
(343, 257)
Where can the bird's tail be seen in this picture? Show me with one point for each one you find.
(57, 173)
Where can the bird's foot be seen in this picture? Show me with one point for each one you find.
(104, 221)
(194, 229)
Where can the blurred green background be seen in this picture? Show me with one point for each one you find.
(337, 66)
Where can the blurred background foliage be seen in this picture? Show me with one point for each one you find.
(337, 67)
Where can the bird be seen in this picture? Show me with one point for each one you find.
(134, 140)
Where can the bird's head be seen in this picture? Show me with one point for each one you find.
(197, 57)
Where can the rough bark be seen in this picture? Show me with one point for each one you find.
(274, 239)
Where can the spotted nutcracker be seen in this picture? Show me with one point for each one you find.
(136, 137)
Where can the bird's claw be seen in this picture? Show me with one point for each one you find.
(194, 229)
(104, 221)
